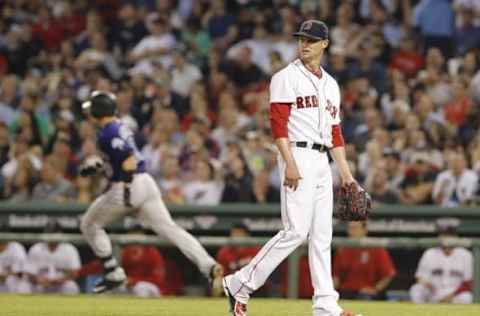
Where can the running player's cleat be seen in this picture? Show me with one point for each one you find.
(111, 281)
(216, 276)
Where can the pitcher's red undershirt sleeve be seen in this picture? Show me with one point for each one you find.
(279, 114)
(337, 136)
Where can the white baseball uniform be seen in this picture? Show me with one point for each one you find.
(314, 102)
(12, 258)
(54, 264)
(144, 201)
(445, 273)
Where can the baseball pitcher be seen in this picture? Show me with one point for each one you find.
(305, 121)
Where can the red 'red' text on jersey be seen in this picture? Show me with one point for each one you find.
(310, 101)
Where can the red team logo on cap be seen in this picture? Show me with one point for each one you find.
(307, 26)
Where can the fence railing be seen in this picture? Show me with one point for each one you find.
(293, 260)
(391, 220)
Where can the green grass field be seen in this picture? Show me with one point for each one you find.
(14, 305)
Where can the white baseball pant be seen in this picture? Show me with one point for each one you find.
(421, 294)
(148, 207)
(306, 215)
(15, 284)
(68, 287)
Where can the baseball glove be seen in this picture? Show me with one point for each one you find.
(91, 166)
(352, 203)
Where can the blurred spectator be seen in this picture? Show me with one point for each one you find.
(260, 46)
(4, 144)
(128, 29)
(156, 47)
(206, 186)
(436, 20)
(444, 274)
(285, 44)
(53, 263)
(19, 186)
(362, 273)
(457, 110)
(407, 58)
(337, 64)
(12, 259)
(457, 185)
(379, 187)
(50, 31)
(170, 182)
(394, 168)
(238, 182)
(243, 71)
(417, 186)
(53, 186)
(220, 24)
(8, 98)
(154, 150)
(345, 29)
(184, 75)
(467, 35)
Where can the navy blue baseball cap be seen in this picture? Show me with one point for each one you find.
(313, 29)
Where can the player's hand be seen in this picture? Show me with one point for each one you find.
(347, 181)
(447, 299)
(71, 275)
(368, 290)
(429, 286)
(129, 164)
(43, 281)
(292, 177)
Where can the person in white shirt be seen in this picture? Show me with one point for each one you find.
(457, 185)
(444, 274)
(206, 187)
(53, 263)
(157, 47)
(184, 75)
(12, 256)
(260, 45)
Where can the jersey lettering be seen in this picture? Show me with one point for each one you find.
(308, 104)
(118, 143)
(331, 109)
(127, 135)
(310, 101)
(300, 103)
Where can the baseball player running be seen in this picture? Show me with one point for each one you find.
(305, 121)
(131, 191)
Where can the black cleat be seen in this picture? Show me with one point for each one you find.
(106, 285)
(111, 281)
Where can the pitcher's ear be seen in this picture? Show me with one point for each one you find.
(325, 43)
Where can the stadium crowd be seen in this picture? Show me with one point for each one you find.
(191, 78)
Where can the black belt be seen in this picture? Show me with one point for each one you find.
(127, 194)
(315, 146)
